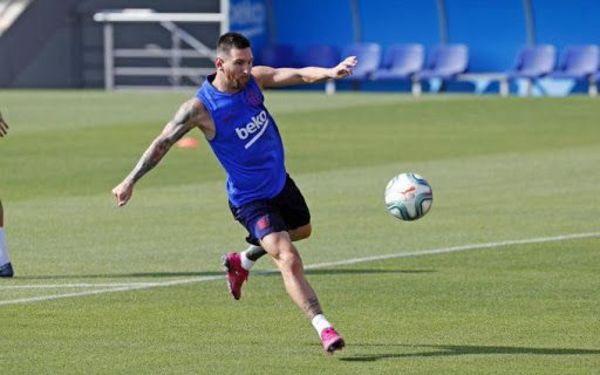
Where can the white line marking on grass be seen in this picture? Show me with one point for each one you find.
(452, 249)
(125, 288)
(66, 286)
(443, 250)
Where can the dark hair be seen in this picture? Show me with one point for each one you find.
(231, 40)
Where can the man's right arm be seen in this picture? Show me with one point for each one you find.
(184, 120)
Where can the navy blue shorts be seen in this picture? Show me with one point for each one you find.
(285, 212)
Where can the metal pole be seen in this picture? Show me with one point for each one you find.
(271, 22)
(175, 59)
(225, 12)
(529, 22)
(442, 21)
(356, 24)
(109, 78)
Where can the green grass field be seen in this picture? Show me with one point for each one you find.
(501, 277)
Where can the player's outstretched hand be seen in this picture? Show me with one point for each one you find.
(3, 126)
(123, 192)
(344, 69)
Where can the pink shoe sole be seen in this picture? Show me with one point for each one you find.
(236, 275)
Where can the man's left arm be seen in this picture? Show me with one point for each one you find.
(268, 77)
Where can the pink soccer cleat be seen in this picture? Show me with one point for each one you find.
(236, 274)
(331, 340)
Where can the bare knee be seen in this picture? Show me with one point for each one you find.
(285, 254)
(289, 260)
(301, 232)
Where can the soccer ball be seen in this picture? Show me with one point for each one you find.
(408, 196)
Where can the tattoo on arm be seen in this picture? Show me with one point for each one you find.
(173, 131)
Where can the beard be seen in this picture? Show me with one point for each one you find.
(237, 83)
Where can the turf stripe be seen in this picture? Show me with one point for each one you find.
(444, 250)
(76, 285)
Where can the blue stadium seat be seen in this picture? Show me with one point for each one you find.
(401, 62)
(577, 62)
(533, 62)
(446, 62)
(322, 55)
(277, 56)
(369, 59)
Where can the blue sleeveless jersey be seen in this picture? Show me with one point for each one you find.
(247, 142)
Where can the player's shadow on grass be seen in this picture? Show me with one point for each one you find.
(122, 275)
(361, 271)
(457, 350)
(219, 273)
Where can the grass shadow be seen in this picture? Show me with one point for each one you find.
(458, 350)
(361, 271)
(120, 275)
(160, 274)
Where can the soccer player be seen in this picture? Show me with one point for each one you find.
(6, 269)
(228, 108)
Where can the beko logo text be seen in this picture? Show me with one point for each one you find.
(258, 124)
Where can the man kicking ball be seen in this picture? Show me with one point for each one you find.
(229, 109)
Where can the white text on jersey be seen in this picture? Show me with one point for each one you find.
(258, 124)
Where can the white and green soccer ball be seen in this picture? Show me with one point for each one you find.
(408, 196)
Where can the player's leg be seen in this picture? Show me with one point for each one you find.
(279, 245)
(290, 212)
(300, 233)
(291, 215)
(254, 252)
(6, 269)
(295, 213)
(238, 265)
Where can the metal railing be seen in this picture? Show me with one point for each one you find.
(10, 10)
(174, 55)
